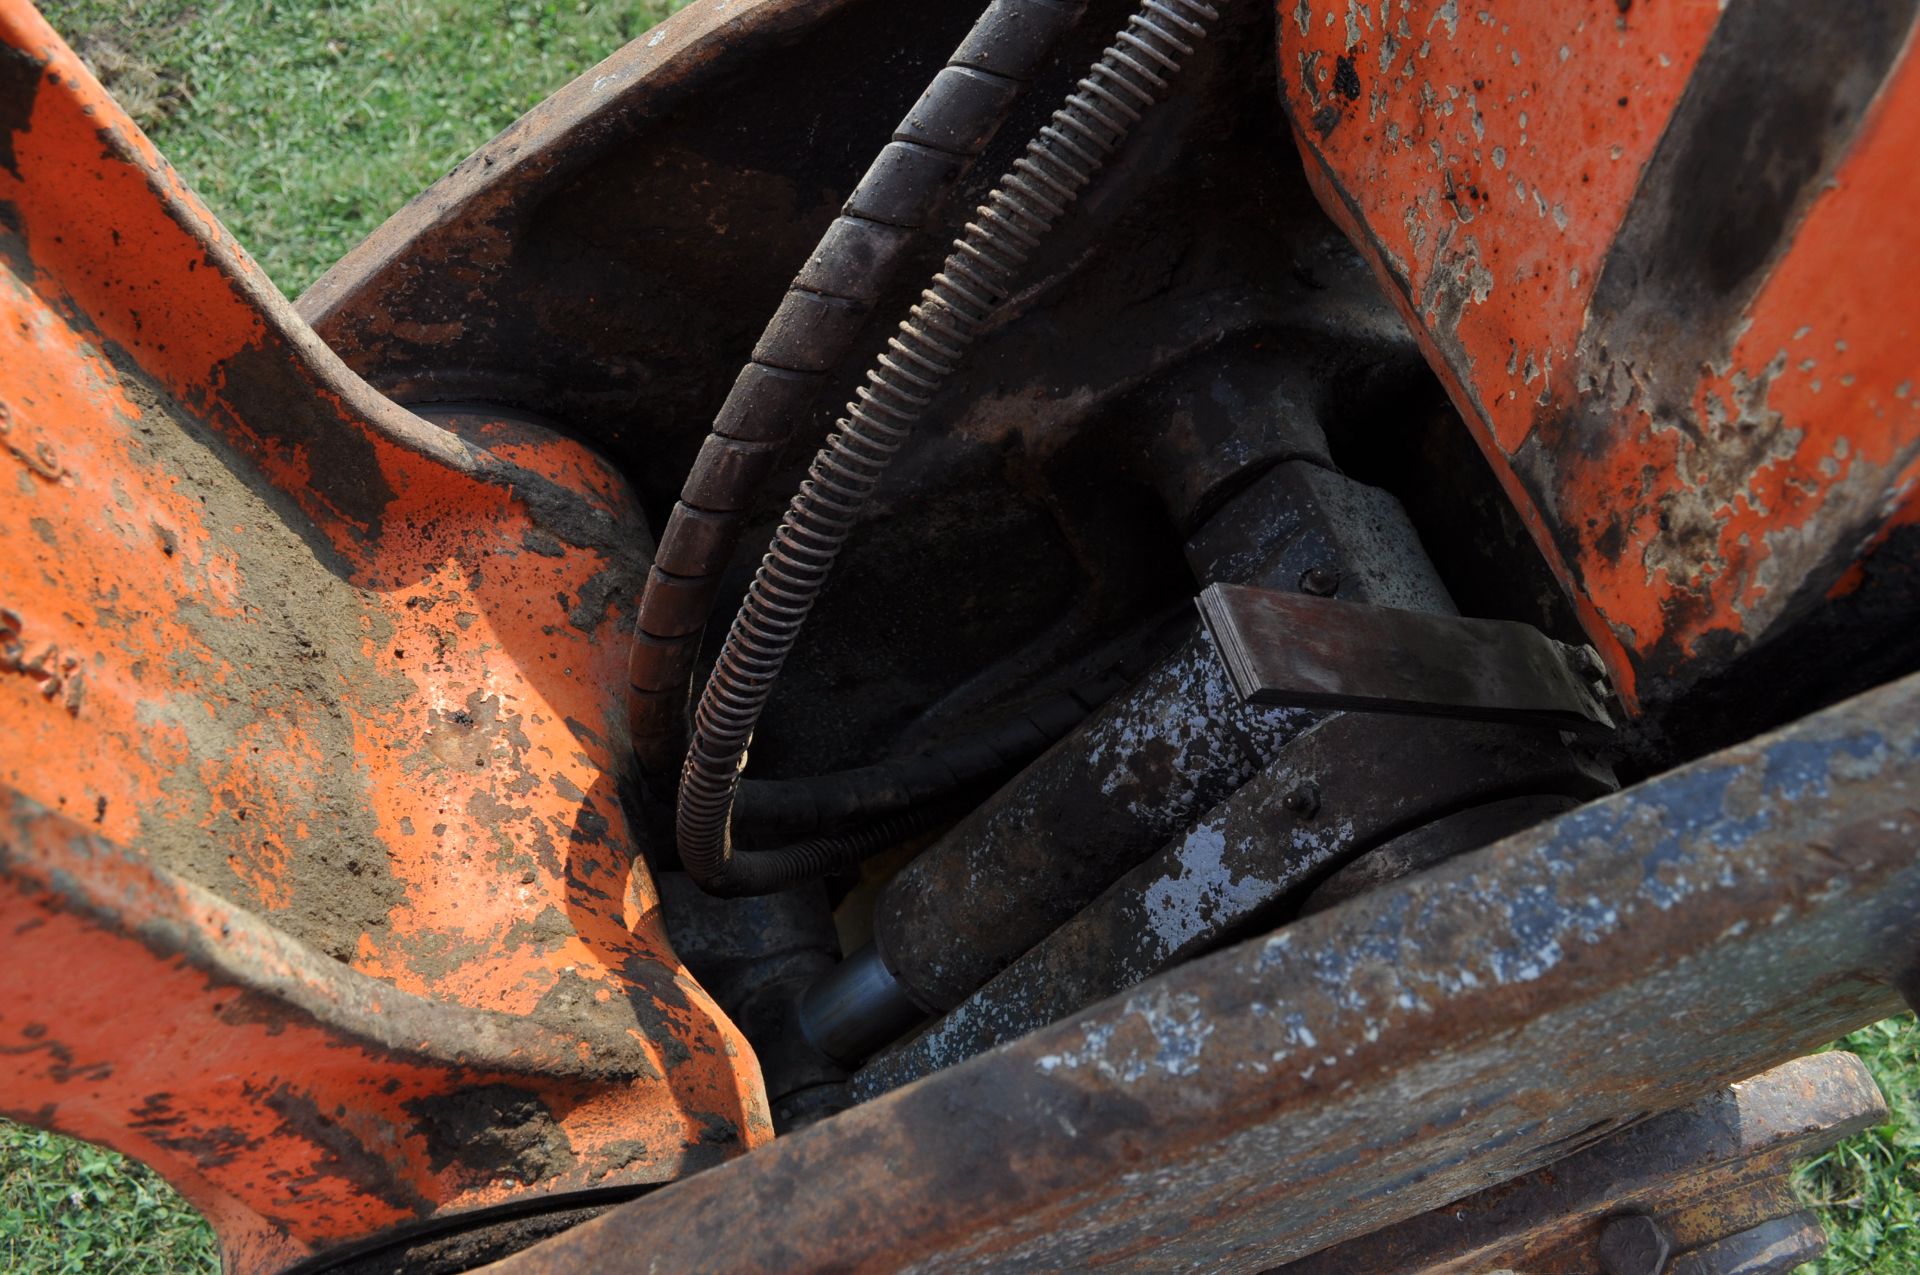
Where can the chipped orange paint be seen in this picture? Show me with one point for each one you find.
(229, 1052)
(1486, 161)
(324, 661)
(1855, 362)
(1490, 161)
(1825, 364)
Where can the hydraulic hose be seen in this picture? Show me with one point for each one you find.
(823, 312)
(1127, 81)
(823, 803)
(752, 872)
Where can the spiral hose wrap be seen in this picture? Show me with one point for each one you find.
(823, 313)
(1133, 74)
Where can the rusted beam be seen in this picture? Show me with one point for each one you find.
(1400, 1051)
(1698, 1180)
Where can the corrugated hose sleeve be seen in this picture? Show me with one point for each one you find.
(1130, 78)
(823, 312)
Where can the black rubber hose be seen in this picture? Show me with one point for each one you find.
(753, 872)
(816, 804)
(821, 803)
(824, 311)
(979, 275)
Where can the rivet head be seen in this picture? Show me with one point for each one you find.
(1635, 1245)
(1322, 582)
(1303, 799)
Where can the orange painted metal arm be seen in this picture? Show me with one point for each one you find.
(341, 689)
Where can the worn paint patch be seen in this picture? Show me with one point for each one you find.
(1653, 326)
(330, 664)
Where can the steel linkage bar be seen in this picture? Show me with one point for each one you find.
(1372, 1062)
(1302, 651)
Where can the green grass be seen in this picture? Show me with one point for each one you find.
(303, 125)
(1868, 1187)
(67, 1206)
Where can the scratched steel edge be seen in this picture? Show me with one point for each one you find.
(1375, 1061)
(1654, 251)
(346, 669)
(1718, 1167)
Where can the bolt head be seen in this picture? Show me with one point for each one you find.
(1322, 582)
(1635, 1245)
(1303, 800)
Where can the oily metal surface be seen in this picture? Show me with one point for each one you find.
(1700, 1174)
(1346, 784)
(1366, 1064)
(1303, 651)
(1153, 759)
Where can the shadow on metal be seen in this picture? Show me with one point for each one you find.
(1406, 1049)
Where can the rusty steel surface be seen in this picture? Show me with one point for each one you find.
(271, 645)
(1697, 1177)
(1656, 251)
(1412, 1046)
(1153, 759)
(1303, 651)
(1335, 791)
(1771, 1248)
